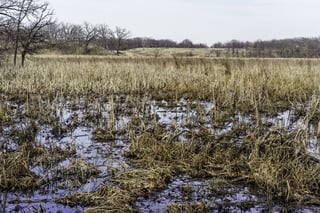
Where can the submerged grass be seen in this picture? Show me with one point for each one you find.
(189, 208)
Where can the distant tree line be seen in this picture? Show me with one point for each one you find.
(73, 38)
(64, 35)
(166, 43)
(285, 48)
(27, 26)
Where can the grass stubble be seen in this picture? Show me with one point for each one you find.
(271, 158)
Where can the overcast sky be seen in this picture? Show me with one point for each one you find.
(206, 21)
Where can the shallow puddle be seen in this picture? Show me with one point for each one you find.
(75, 132)
(184, 190)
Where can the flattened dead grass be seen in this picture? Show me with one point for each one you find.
(277, 161)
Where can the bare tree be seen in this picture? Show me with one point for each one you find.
(71, 33)
(89, 33)
(7, 9)
(118, 36)
(186, 43)
(25, 20)
(24, 7)
(67, 37)
(5, 35)
(52, 32)
(104, 35)
(33, 33)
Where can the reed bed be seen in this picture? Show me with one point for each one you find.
(267, 156)
(232, 83)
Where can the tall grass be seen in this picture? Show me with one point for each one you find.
(273, 158)
(235, 83)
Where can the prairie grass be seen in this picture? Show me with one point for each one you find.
(243, 84)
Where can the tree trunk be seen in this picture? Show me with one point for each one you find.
(17, 38)
(23, 57)
(118, 46)
(15, 51)
(86, 50)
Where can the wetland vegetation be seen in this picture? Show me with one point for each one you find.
(167, 134)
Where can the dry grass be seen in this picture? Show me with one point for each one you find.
(276, 161)
(121, 198)
(169, 52)
(15, 173)
(106, 199)
(271, 158)
(279, 163)
(150, 151)
(235, 83)
(2, 110)
(318, 131)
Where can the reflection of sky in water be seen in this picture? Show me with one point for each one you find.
(200, 192)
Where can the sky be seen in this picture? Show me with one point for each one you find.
(201, 21)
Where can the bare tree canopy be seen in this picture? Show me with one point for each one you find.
(118, 36)
(32, 33)
(7, 8)
(32, 18)
(89, 33)
(104, 35)
(24, 21)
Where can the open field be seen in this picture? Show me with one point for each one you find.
(160, 133)
(179, 52)
(202, 52)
